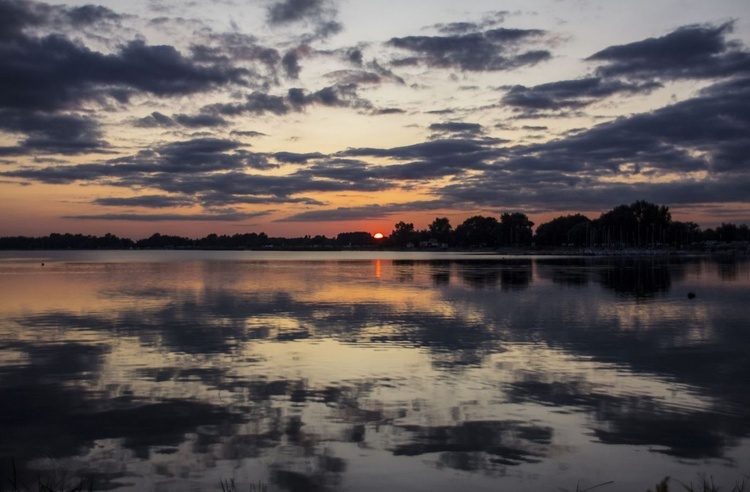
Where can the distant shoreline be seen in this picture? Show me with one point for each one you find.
(731, 249)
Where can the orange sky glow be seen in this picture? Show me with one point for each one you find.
(321, 117)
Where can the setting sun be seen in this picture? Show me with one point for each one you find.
(378, 235)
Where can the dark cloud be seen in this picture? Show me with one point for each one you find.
(290, 62)
(447, 148)
(573, 94)
(705, 134)
(155, 120)
(679, 133)
(344, 95)
(457, 127)
(381, 111)
(45, 133)
(65, 174)
(337, 95)
(232, 48)
(247, 133)
(429, 160)
(242, 186)
(367, 74)
(338, 214)
(17, 15)
(200, 120)
(294, 158)
(319, 13)
(207, 217)
(384, 73)
(698, 148)
(354, 55)
(354, 77)
(698, 51)
(410, 61)
(286, 11)
(367, 212)
(328, 28)
(491, 20)
(458, 28)
(159, 120)
(200, 155)
(91, 14)
(215, 172)
(255, 103)
(148, 201)
(220, 199)
(52, 72)
(492, 50)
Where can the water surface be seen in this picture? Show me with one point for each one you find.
(374, 371)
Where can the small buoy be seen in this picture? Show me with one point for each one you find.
(691, 295)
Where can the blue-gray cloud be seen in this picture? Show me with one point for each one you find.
(148, 201)
(698, 51)
(491, 50)
(205, 217)
(45, 133)
(571, 94)
(321, 14)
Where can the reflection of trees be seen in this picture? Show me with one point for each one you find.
(729, 267)
(635, 277)
(639, 277)
(516, 275)
(510, 274)
(565, 271)
(440, 271)
(404, 270)
(474, 446)
(480, 274)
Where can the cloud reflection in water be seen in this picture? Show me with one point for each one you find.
(293, 369)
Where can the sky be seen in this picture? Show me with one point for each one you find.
(296, 117)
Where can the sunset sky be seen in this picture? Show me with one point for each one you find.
(297, 117)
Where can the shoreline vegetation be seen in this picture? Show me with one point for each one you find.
(61, 482)
(641, 228)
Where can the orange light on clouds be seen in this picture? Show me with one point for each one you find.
(378, 235)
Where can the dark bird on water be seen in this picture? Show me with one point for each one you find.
(691, 295)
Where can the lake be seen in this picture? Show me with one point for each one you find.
(372, 371)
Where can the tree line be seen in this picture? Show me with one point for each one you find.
(638, 225)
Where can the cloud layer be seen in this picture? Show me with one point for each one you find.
(168, 127)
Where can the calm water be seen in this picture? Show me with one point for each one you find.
(372, 371)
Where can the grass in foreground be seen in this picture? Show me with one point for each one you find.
(59, 481)
(706, 484)
(54, 481)
(229, 486)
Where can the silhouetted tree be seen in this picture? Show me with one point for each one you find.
(727, 232)
(638, 224)
(441, 230)
(515, 229)
(557, 231)
(354, 239)
(478, 231)
(402, 234)
(681, 234)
